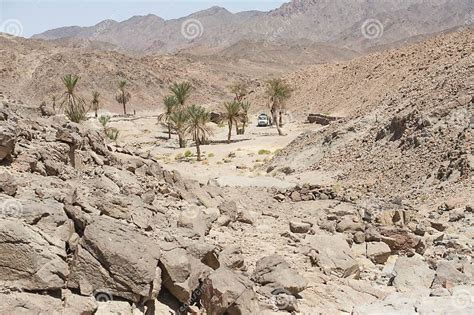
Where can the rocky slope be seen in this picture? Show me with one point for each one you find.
(407, 126)
(31, 71)
(88, 227)
(320, 21)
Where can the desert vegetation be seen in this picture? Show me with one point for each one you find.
(278, 92)
(74, 105)
(122, 96)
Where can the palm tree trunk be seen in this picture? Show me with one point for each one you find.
(95, 114)
(124, 105)
(280, 119)
(275, 119)
(230, 132)
(236, 128)
(169, 131)
(198, 146)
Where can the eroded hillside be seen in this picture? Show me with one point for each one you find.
(407, 126)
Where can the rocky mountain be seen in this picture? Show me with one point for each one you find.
(31, 71)
(353, 24)
(92, 226)
(404, 118)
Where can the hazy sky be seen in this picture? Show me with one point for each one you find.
(36, 16)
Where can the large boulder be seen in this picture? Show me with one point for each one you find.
(29, 303)
(117, 257)
(412, 273)
(182, 273)
(447, 275)
(273, 271)
(333, 255)
(28, 259)
(7, 141)
(225, 292)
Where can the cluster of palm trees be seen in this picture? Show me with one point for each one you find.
(76, 108)
(278, 92)
(236, 111)
(179, 117)
(185, 120)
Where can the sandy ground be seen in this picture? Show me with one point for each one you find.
(236, 164)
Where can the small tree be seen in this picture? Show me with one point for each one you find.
(123, 96)
(179, 120)
(95, 102)
(181, 92)
(240, 90)
(110, 132)
(104, 120)
(278, 92)
(198, 118)
(245, 107)
(170, 103)
(74, 105)
(231, 115)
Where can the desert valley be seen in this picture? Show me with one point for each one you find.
(317, 158)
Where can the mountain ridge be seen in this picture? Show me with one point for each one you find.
(337, 22)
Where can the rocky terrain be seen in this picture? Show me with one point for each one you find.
(94, 226)
(89, 227)
(336, 22)
(31, 71)
(407, 127)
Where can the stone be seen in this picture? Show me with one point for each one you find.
(29, 303)
(118, 257)
(300, 227)
(359, 237)
(295, 196)
(8, 184)
(114, 308)
(447, 274)
(332, 254)
(77, 304)
(29, 261)
(275, 272)
(349, 224)
(378, 252)
(232, 258)
(393, 304)
(412, 273)
(225, 292)
(182, 273)
(8, 136)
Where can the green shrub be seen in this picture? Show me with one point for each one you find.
(264, 152)
(104, 120)
(188, 154)
(112, 133)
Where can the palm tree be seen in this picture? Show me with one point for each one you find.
(170, 103)
(197, 126)
(123, 96)
(73, 104)
(95, 102)
(278, 92)
(231, 115)
(240, 90)
(245, 106)
(181, 91)
(179, 120)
